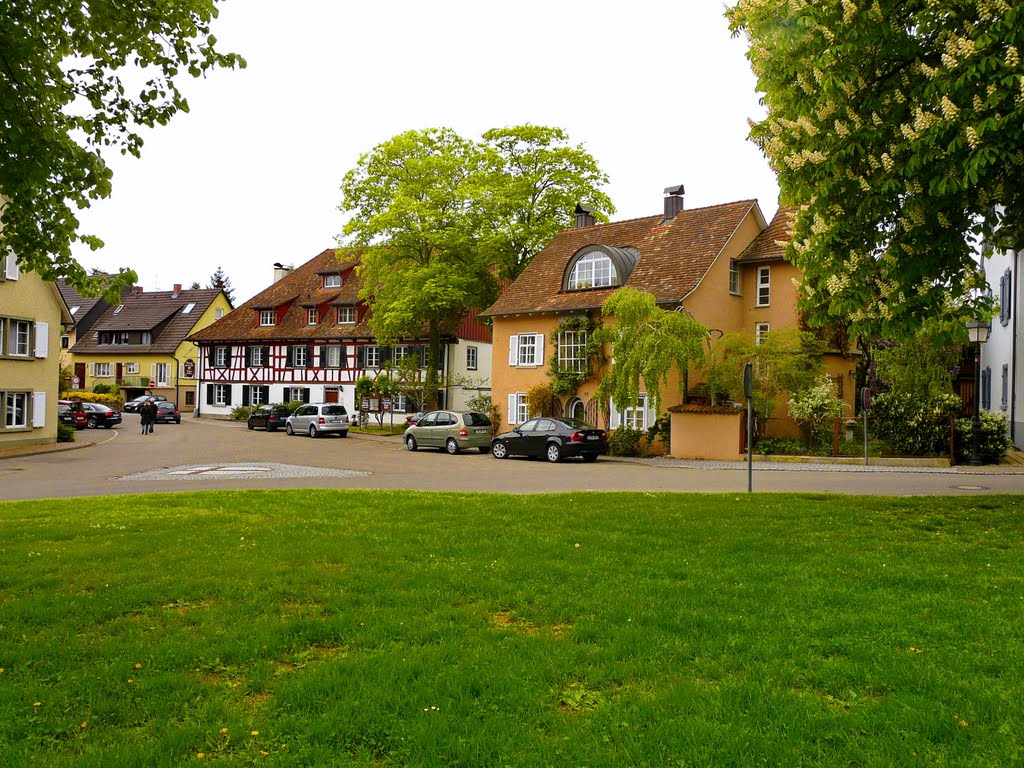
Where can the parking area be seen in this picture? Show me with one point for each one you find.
(206, 454)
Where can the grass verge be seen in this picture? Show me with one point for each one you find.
(392, 628)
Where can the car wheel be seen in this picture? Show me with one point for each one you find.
(343, 434)
(313, 432)
(288, 429)
(451, 446)
(251, 427)
(553, 453)
(410, 443)
(271, 429)
(107, 426)
(484, 449)
(590, 457)
(499, 450)
(178, 420)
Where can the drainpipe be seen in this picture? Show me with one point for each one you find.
(199, 381)
(1015, 308)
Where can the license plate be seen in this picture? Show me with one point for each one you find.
(481, 431)
(592, 437)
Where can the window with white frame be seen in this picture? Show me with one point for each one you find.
(526, 349)
(300, 357)
(332, 281)
(311, 318)
(266, 317)
(634, 416)
(221, 357)
(373, 357)
(131, 368)
(472, 358)
(162, 373)
(221, 394)
(15, 409)
(256, 394)
(331, 355)
(21, 338)
(760, 332)
(65, 341)
(102, 370)
(572, 351)
(518, 412)
(346, 315)
(147, 337)
(259, 357)
(218, 313)
(764, 286)
(592, 270)
(734, 277)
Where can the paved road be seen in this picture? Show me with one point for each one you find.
(191, 456)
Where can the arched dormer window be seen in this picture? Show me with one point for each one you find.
(599, 266)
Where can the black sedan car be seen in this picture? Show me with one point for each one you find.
(132, 406)
(166, 411)
(269, 417)
(98, 415)
(551, 439)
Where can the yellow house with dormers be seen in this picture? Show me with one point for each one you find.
(140, 346)
(31, 315)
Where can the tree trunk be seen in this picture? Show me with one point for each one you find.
(433, 358)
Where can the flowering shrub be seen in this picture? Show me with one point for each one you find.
(913, 425)
(816, 409)
(993, 438)
(112, 401)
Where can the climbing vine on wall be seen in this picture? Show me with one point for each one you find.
(565, 380)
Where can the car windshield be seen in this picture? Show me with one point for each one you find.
(475, 420)
(165, 406)
(334, 410)
(576, 424)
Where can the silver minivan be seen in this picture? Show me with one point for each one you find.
(315, 419)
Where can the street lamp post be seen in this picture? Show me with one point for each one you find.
(977, 331)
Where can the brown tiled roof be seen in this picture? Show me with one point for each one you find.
(144, 312)
(73, 298)
(299, 289)
(771, 244)
(674, 256)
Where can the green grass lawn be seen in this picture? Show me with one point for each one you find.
(321, 628)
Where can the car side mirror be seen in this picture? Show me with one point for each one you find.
(517, 430)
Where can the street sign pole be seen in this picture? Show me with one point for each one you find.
(748, 392)
(865, 403)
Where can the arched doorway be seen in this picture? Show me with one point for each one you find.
(575, 409)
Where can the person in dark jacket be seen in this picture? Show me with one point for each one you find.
(147, 413)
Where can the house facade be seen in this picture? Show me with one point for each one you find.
(1002, 388)
(140, 345)
(722, 264)
(31, 315)
(307, 337)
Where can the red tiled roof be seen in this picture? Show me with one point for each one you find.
(771, 244)
(674, 256)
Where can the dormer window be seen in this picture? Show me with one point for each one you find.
(332, 281)
(599, 266)
(311, 318)
(346, 315)
(266, 317)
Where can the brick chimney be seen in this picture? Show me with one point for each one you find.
(584, 216)
(673, 201)
(177, 290)
(137, 289)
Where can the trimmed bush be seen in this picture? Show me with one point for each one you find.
(625, 441)
(913, 425)
(65, 433)
(993, 438)
(780, 446)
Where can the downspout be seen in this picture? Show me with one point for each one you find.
(199, 381)
(1015, 308)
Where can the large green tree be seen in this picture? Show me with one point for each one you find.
(79, 78)
(898, 125)
(414, 209)
(537, 178)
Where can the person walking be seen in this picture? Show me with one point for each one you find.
(147, 414)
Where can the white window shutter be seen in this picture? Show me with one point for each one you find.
(11, 267)
(613, 415)
(42, 339)
(513, 350)
(512, 409)
(539, 340)
(38, 409)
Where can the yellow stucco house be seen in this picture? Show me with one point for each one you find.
(723, 264)
(140, 345)
(31, 315)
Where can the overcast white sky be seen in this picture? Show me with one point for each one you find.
(656, 90)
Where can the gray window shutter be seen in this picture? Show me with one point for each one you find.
(248, 357)
(386, 355)
(209, 394)
(290, 360)
(245, 394)
(227, 394)
(211, 356)
(287, 396)
(309, 356)
(360, 357)
(266, 394)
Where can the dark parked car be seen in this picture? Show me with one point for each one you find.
(101, 416)
(166, 411)
(552, 439)
(132, 406)
(72, 413)
(269, 417)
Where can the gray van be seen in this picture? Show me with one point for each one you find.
(315, 419)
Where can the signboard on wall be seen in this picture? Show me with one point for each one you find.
(189, 369)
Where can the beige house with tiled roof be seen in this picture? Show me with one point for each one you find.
(723, 264)
(307, 338)
(141, 345)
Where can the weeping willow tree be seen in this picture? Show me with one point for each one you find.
(647, 342)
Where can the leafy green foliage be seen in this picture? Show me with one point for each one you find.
(66, 78)
(242, 412)
(921, 363)
(565, 380)
(782, 446)
(816, 410)
(993, 438)
(485, 404)
(646, 343)
(898, 127)
(914, 425)
(65, 433)
(536, 180)
(625, 441)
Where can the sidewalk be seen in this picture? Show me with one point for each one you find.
(101, 436)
